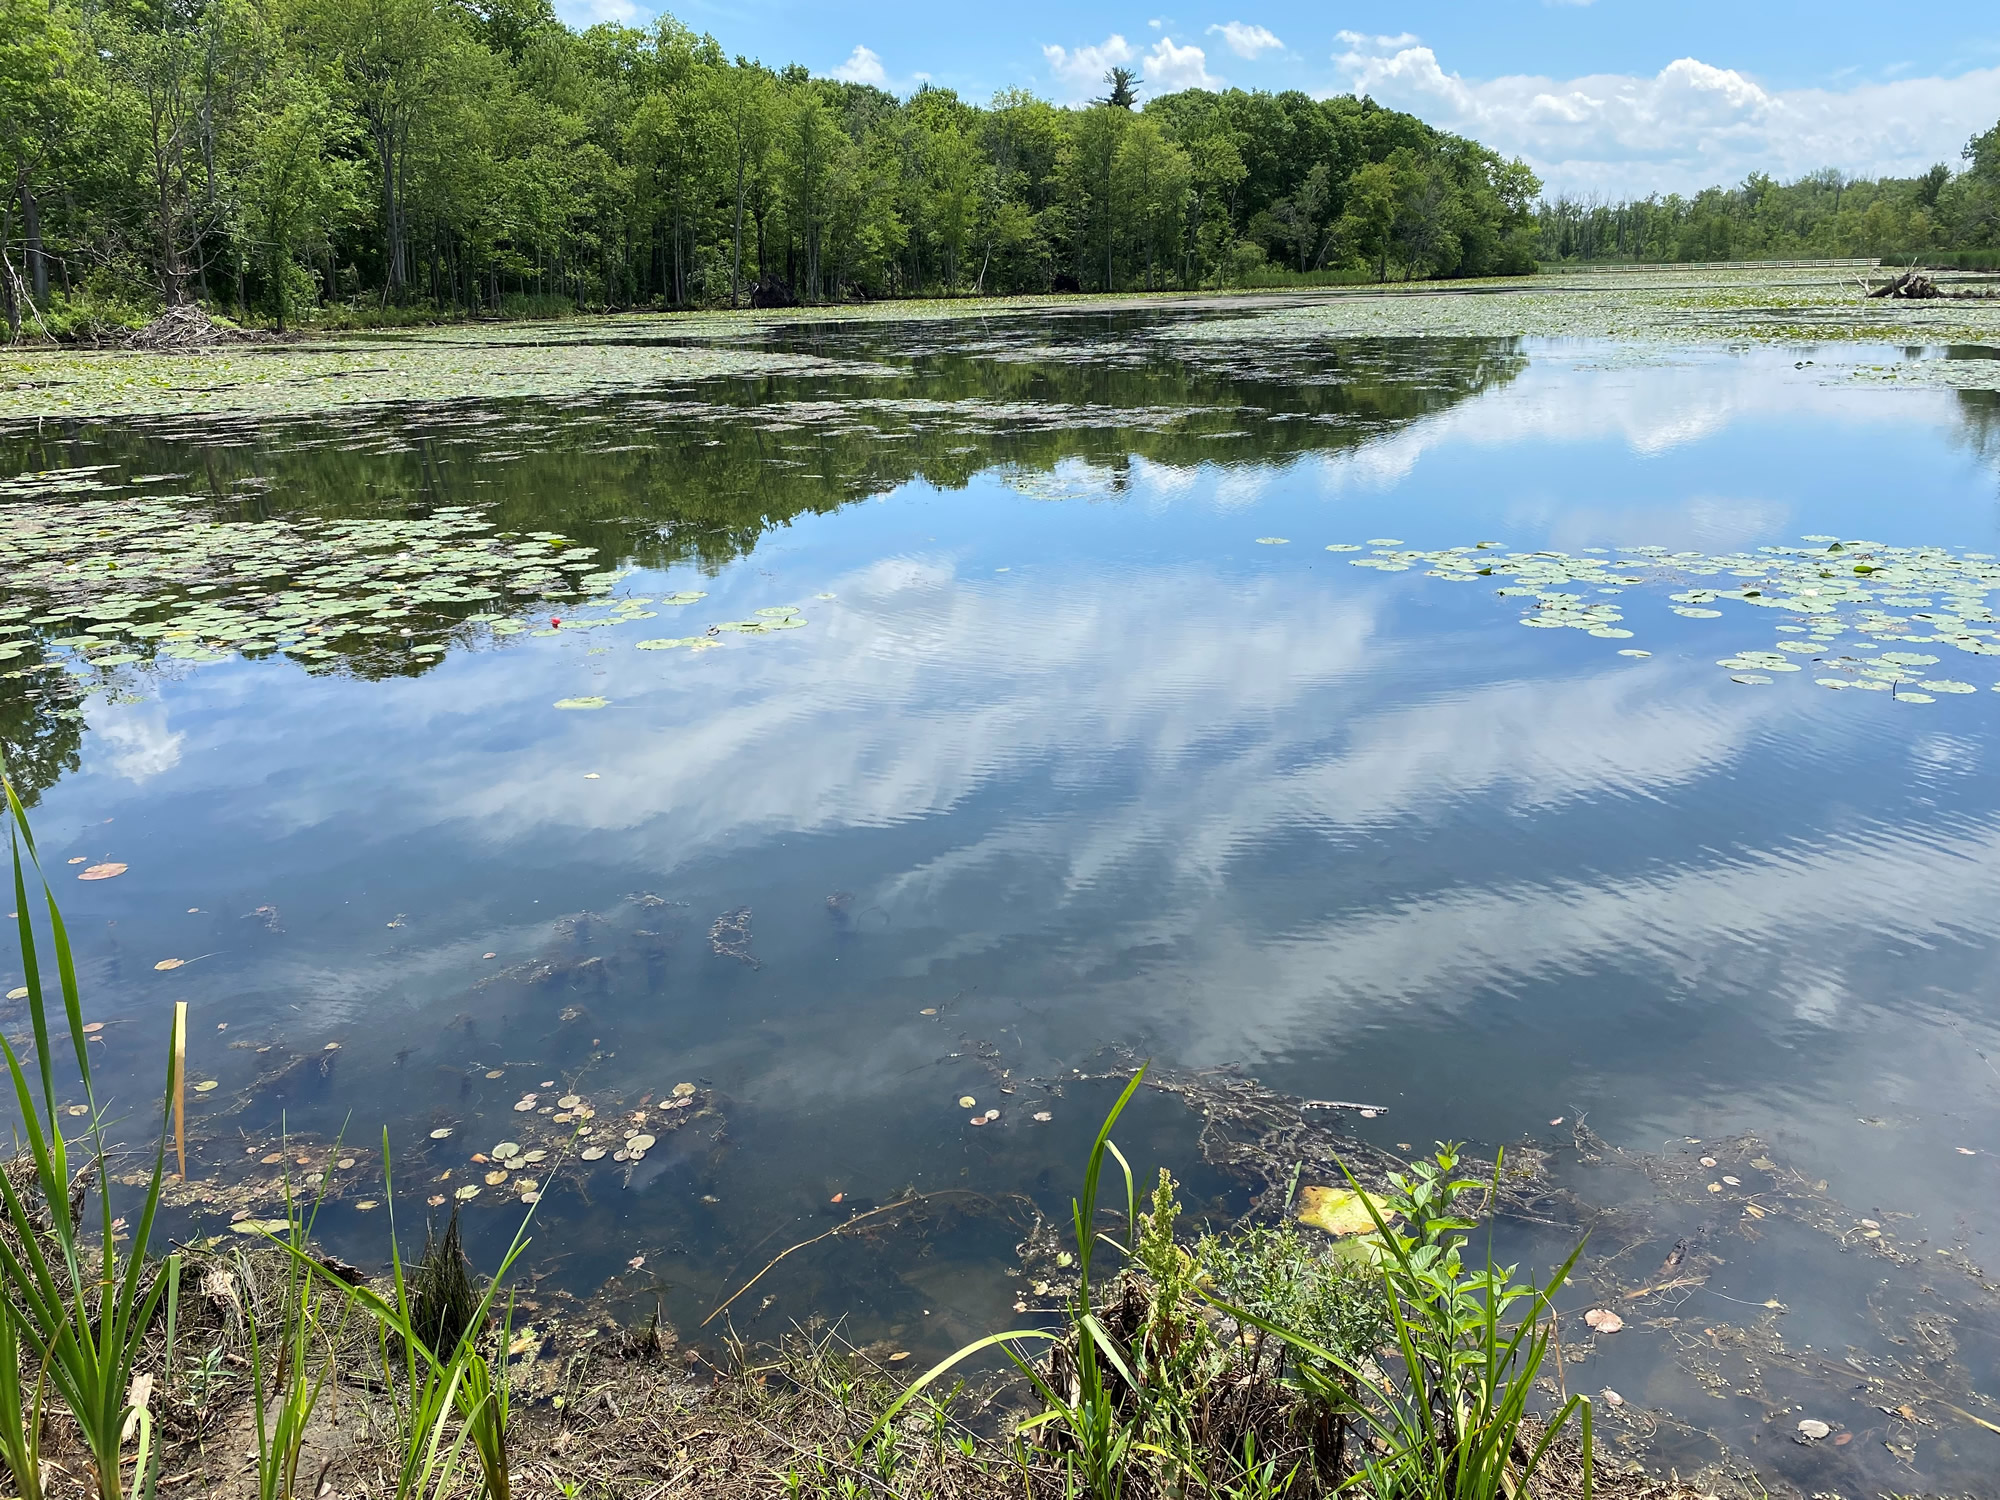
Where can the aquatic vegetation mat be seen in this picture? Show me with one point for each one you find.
(95, 583)
(1826, 598)
(1753, 305)
(292, 380)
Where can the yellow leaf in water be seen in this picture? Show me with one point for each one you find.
(1340, 1210)
(169, 963)
(207, 1086)
(103, 872)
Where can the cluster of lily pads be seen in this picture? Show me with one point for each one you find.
(97, 576)
(1830, 595)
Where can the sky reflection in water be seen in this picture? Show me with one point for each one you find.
(1070, 758)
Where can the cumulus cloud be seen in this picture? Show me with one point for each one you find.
(1246, 40)
(1690, 125)
(1080, 71)
(1168, 66)
(863, 65)
(136, 744)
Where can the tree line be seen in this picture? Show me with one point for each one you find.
(270, 157)
(1826, 213)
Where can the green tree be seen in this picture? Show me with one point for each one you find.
(1152, 190)
(1123, 84)
(1374, 205)
(296, 186)
(743, 103)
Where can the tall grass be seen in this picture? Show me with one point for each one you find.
(20, 1423)
(431, 1378)
(78, 1305)
(297, 1368)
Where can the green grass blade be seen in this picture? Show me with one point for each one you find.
(940, 1368)
(1131, 1196)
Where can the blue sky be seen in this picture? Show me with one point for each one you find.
(1604, 96)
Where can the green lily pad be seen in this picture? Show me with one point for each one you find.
(589, 702)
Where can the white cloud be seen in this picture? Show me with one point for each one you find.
(1353, 39)
(1169, 68)
(863, 65)
(137, 744)
(1246, 40)
(1079, 72)
(1688, 126)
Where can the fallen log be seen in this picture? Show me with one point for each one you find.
(1912, 285)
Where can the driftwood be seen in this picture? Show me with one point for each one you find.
(1912, 285)
(187, 327)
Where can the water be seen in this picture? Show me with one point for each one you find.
(1065, 760)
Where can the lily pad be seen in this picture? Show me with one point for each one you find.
(1340, 1211)
(587, 702)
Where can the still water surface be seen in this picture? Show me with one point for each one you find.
(1066, 761)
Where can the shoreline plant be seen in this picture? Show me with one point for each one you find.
(82, 1309)
(1136, 1382)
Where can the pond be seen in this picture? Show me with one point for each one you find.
(799, 760)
